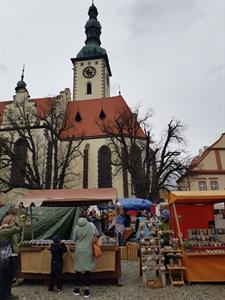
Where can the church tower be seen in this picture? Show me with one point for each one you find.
(91, 65)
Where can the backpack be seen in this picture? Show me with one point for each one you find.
(5, 254)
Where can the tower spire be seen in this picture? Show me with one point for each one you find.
(93, 27)
(22, 76)
(21, 84)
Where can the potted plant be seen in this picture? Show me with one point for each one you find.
(187, 245)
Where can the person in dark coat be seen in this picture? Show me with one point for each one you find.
(127, 219)
(57, 251)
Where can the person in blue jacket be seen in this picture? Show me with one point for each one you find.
(141, 218)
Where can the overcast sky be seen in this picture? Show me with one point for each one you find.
(168, 55)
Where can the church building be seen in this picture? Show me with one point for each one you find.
(84, 110)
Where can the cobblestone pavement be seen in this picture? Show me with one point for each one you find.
(132, 289)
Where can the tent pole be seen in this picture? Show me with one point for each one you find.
(31, 221)
(22, 236)
(178, 224)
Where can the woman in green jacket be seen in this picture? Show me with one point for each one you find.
(84, 261)
(9, 235)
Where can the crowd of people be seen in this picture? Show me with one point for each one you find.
(90, 225)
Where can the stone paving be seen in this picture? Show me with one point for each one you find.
(132, 289)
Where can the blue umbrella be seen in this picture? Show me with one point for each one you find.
(135, 203)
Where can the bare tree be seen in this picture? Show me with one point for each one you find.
(153, 166)
(43, 159)
(169, 158)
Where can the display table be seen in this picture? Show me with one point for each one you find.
(35, 262)
(204, 267)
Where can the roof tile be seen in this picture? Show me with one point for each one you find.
(90, 111)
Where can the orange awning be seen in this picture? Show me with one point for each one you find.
(69, 197)
(196, 197)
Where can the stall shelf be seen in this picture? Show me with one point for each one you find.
(200, 266)
(35, 261)
(176, 275)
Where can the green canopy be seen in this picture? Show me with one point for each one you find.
(48, 221)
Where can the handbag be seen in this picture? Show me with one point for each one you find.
(96, 248)
(95, 244)
(5, 254)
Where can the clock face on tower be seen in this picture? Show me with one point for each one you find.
(89, 72)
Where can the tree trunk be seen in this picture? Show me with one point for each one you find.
(48, 175)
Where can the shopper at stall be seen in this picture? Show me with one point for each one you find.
(57, 250)
(84, 261)
(141, 226)
(94, 218)
(9, 231)
(165, 226)
(120, 221)
(104, 223)
(211, 224)
(139, 215)
(127, 219)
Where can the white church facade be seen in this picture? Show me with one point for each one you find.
(88, 105)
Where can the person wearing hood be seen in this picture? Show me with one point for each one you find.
(84, 261)
(57, 250)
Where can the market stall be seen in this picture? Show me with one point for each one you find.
(203, 245)
(35, 255)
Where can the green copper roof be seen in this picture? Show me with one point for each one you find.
(91, 50)
(93, 32)
(21, 84)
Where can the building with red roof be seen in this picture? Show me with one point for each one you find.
(207, 169)
(85, 113)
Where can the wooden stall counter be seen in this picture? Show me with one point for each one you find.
(204, 267)
(35, 262)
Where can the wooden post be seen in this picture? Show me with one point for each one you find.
(31, 221)
(22, 236)
(178, 224)
(163, 278)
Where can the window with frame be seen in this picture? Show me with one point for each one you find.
(104, 167)
(89, 88)
(18, 168)
(202, 185)
(214, 185)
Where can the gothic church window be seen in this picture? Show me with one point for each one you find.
(104, 167)
(135, 155)
(89, 88)
(125, 175)
(19, 163)
(136, 162)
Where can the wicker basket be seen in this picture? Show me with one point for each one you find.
(123, 253)
(131, 251)
(154, 283)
